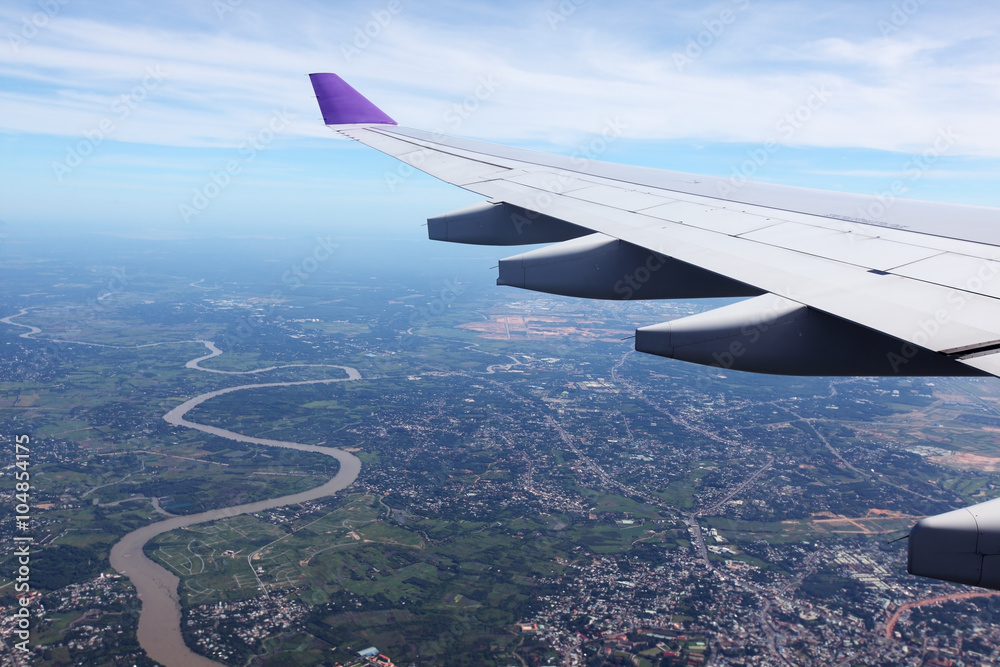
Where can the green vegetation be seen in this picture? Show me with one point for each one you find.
(495, 471)
(64, 564)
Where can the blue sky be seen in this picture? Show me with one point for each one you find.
(115, 114)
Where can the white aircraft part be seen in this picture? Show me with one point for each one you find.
(855, 284)
(847, 280)
(851, 247)
(494, 223)
(601, 267)
(962, 546)
(771, 334)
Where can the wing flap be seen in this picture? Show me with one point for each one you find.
(867, 251)
(550, 182)
(713, 218)
(617, 197)
(959, 272)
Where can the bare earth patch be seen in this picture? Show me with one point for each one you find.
(967, 461)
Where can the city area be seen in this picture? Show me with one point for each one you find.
(527, 489)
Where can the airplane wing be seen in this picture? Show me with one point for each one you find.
(837, 284)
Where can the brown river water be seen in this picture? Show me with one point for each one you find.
(160, 619)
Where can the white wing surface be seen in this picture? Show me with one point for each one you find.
(839, 284)
(917, 283)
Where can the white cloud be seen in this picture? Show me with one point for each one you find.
(225, 76)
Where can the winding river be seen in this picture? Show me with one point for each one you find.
(159, 630)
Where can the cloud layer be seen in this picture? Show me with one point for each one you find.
(210, 75)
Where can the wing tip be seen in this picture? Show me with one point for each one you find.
(341, 104)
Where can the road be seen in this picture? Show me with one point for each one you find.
(890, 626)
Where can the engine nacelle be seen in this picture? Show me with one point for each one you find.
(500, 224)
(771, 334)
(601, 267)
(962, 546)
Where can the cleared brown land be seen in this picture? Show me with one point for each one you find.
(521, 327)
(966, 461)
(872, 523)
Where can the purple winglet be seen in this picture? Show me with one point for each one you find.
(342, 105)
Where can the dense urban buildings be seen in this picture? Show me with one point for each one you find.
(531, 491)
